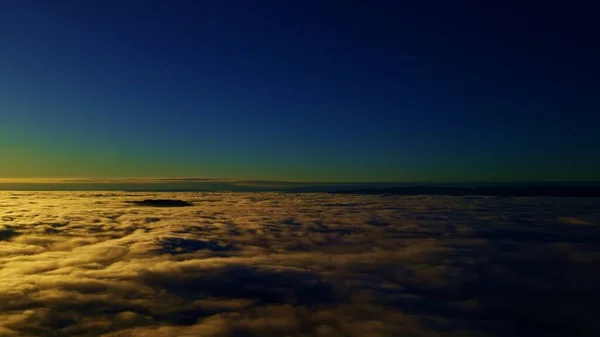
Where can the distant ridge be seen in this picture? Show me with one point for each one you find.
(499, 191)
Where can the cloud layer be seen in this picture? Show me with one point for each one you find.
(282, 264)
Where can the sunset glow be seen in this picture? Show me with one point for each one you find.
(272, 168)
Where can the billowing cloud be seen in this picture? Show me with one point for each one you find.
(284, 264)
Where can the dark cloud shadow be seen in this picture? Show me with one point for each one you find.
(175, 245)
(7, 234)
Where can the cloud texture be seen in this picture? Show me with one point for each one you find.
(282, 264)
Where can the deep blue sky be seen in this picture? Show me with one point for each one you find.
(300, 90)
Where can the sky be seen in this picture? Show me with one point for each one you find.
(300, 90)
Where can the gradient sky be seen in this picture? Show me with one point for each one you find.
(299, 90)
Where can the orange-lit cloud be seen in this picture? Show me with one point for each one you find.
(272, 264)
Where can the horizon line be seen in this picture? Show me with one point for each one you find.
(184, 179)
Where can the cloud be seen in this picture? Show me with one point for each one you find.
(276, 264)
(574, 221)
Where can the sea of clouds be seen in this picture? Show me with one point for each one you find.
(284, 264)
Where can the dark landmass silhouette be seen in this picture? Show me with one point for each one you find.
(498, 191)
(162, 203)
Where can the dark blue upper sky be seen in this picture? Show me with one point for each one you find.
(300, 90)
